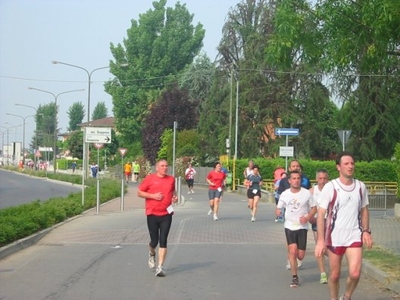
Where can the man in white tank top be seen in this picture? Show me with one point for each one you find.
(249, 170)
(345, 201)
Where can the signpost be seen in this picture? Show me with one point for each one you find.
(98, 135)
(344, 136)
(286, 151)
(122, 151)
(98, 146)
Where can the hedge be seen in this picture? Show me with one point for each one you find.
(21, 221)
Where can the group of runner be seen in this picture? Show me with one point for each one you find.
(128, 168)
(337, 210)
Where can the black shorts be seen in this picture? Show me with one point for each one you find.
(251, 194)
(298, 237)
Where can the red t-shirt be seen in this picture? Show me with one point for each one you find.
(216, 177)
(154, 184)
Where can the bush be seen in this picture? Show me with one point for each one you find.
(24, 220)
(377, 170)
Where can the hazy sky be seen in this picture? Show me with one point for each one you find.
(79, 32)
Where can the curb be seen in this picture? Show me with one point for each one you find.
(23, 243)
(380, 276)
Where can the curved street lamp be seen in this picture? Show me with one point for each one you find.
(89, 74)
(8, 143)
(23, 133)
(36, 134)
(55, 118)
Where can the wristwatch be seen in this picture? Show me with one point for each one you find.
(367, 230)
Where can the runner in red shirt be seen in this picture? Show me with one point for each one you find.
(159, 191)
(216, 181)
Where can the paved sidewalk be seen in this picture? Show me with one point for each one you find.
(103, 256)
(386, 231)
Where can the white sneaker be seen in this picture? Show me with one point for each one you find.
(188, 192)
(253, 219)
(192, 192)
(210, 212)
(287, 265)
(160, 272)
(215, 218)
(299, 263)
(152, 261)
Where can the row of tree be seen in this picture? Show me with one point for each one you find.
(46, 126)
(288, 63)
(296, 64)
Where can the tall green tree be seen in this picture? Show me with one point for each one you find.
(197, 78)
(45, 124)
(241, 60)
(75, 144)
(360, 42)
(76, 113)
(158, 47)
(100, 111)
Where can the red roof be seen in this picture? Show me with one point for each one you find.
(105, 122)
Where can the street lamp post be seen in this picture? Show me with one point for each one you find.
(36, 133)
(55, 119)
(8, 143)
(23, 134)
(89, 74)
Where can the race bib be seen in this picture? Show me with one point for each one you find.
(219, 189)
(255, 191)
(170, 209)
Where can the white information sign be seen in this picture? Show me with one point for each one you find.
(98, 135)
(287, 151)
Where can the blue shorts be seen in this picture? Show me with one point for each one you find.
(212, 194)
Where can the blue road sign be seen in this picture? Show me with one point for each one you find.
(287, 131)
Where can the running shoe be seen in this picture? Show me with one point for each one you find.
(210, 212)
(152, 261)
(287, 265)
(160, 272)
(253, 219)
(215, 218)
(324, 278)
(299, 263)
(295, 282)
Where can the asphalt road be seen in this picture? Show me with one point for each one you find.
(104, 256)
(17, 189)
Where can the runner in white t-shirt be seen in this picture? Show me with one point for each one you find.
(299, 208)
